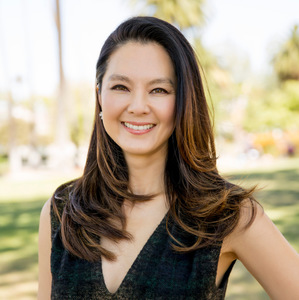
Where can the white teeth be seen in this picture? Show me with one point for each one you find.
(135, 127)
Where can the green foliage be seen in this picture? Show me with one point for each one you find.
(286, 61)
(218, 82)
(82, 113)
(291, 91)
(275, 108)
(183, 13)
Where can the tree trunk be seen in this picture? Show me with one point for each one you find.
(62, 135)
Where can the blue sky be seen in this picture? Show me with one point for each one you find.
(252, 29)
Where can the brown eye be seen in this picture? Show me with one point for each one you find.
(159, 91)
(119, 87)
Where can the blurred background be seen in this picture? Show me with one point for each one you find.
(249, 51)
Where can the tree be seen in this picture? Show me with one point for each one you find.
(286, 61)
(273, 108)
(62, 132)
(183, 13)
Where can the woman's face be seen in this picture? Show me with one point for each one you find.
(138, 98)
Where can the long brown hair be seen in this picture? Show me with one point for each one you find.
(201, 202)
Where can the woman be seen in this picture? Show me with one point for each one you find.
(151, 218)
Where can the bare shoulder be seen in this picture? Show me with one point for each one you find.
(45, 220)
(44, 252)
(265, 252)
(45, 212)
(251, 216)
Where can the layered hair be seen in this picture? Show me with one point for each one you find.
(201, 201)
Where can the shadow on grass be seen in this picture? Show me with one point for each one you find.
(18, 233)
(279, 193)
(20, 215)
(289, 226)
(278, 198)
(277, 188)
(277, 175)
(20, 264)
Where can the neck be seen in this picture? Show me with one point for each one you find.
(146, 173)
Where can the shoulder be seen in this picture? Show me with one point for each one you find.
(45, 216)
(44, 252)
(253, 222)
(250, 218)
(46, 208)
(46, 211)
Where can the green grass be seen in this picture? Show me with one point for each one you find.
(21, 200)
(279, 196)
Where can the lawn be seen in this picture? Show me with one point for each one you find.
(21, 200)
(279, 196)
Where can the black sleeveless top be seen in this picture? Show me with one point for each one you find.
(158, 272)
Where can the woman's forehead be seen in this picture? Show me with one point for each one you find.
(145, 60)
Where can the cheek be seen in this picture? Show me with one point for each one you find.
(169, 112)
(111, 106)
(111, 113)
(165, 114)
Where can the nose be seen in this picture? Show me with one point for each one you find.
(138, 104)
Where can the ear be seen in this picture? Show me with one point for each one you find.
(99, 98)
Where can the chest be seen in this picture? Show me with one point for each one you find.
(126, 252)
(153, 271)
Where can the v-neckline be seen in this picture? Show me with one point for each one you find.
(146, 247)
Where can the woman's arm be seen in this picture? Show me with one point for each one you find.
(44, 253)
(267, 255)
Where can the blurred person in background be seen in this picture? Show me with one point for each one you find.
(151, 217)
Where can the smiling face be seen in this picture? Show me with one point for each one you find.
(137, 98)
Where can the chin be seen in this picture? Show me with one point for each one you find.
(146, 151)
(135, 151)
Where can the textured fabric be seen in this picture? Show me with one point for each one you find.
(157, 273)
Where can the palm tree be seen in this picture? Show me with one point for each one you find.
(183, 13)
(62, 135)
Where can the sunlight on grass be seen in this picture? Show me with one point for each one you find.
(279, 196)
(16, 285)
(21, 201)
(242, 285)
(275, 214)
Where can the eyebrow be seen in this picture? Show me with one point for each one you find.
(127, 79)
(119, 77)
(162, 80)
